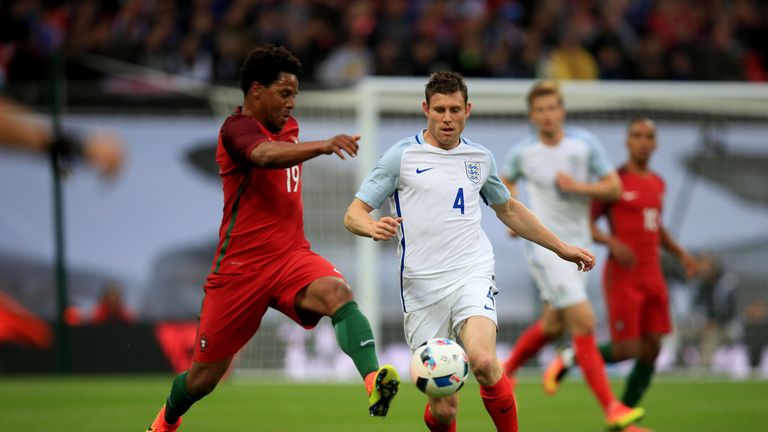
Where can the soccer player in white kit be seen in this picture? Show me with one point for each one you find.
(559, 165)
(436, 180)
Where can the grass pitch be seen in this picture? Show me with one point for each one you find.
(99, 404)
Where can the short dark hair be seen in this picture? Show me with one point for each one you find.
(446, 82)
(264, 65)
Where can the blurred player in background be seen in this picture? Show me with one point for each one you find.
(22, 129)
(263, 258)
(558, 165)
(436, 181)
(634, 288)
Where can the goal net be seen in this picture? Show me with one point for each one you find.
(712, 153)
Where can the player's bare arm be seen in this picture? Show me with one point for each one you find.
(623, 255)
(22, 129)
(690, 264)
(512, 188)
(358, 220)
(607, 188)
(521, 220)
(278, 154)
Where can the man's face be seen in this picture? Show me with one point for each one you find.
(547, 114)
(641, 141)
(278, 100)
(446, 117)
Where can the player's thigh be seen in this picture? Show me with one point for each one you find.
(624, 305)
(655, 315)
(231, 314)
(560, 282)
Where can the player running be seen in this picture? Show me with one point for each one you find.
(633, 285)
(263, 259)
(435, 181)
(558, 165)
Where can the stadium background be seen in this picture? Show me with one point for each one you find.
(153, 230)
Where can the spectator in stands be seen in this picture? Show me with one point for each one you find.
(111, 309)
(716, 301)
(648, 34)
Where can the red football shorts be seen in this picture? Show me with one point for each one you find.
(636, 305)
(234, 304)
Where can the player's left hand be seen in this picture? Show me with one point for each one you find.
(103, 151)
(580, 256)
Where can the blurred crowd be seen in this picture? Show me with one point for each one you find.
(341, 41)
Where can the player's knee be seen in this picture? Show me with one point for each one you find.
(338, 294)
(648, 352)
(483, 366)
(445, 412)
(627, 350)
(329, 294)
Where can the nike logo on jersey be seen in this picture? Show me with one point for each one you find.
(629, 195)
(366, 342)
(419, 171)
(488, 308)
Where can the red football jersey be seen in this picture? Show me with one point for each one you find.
(636, 217)
(263, 211)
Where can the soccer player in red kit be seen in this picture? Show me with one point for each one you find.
(634, 288)
(263, 258)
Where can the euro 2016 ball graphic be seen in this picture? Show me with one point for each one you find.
(439, 368)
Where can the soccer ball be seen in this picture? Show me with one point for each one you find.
(439, 367)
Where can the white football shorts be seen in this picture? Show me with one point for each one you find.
(476, 296)
(560, 282)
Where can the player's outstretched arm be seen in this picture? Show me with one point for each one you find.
(607, 188)
(21, 129)
(690, 263)
(518, 218)
(358, 220)
(284, 155)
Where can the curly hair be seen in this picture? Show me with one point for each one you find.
(264, 65)
(446, 82)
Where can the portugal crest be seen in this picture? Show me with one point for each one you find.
(473, 171)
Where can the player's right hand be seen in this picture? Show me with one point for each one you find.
(623, 255)
(341, 144)
(386, 228)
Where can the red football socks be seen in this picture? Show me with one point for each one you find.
(500, 403)
(593, 368)
(529, 343)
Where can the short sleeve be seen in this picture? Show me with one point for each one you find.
(599, 163)
(382, 181)
(494, 191)
(239, 136)
(511, 170)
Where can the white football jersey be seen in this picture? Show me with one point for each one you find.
(579, 155)
(438, 194)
